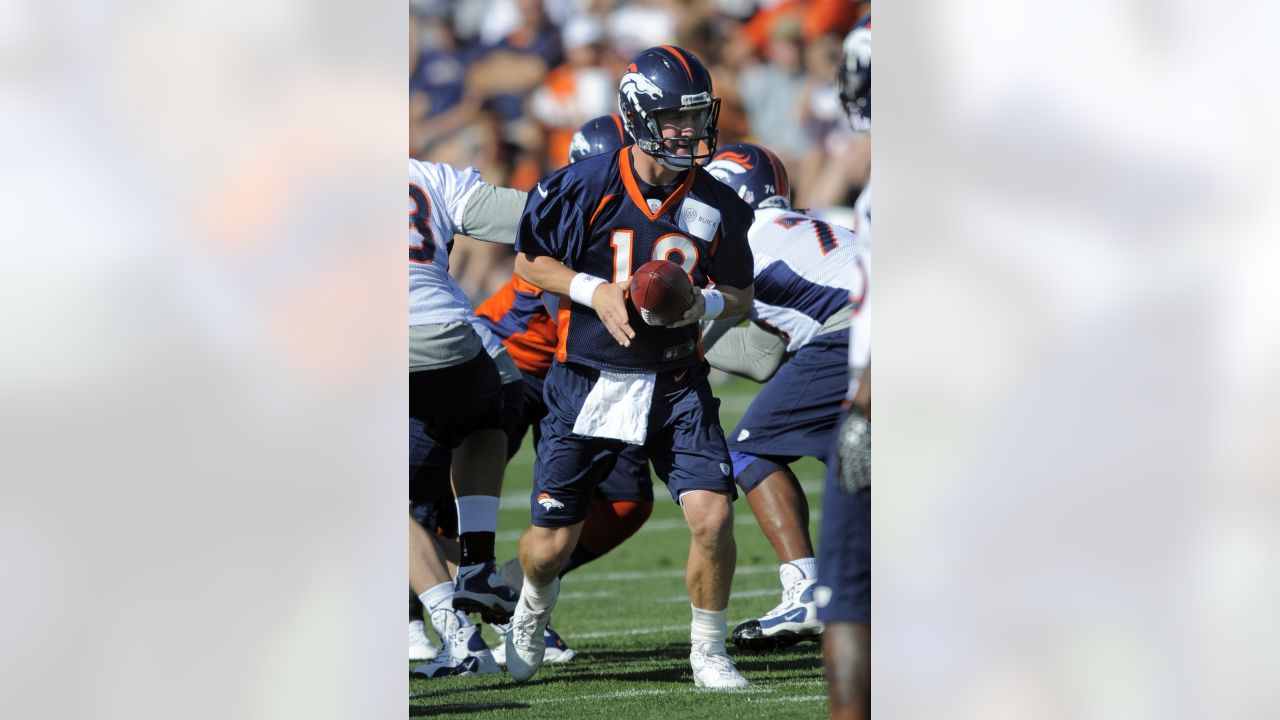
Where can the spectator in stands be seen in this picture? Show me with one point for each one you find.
(439, 101)
(576, 91)
(771, 93)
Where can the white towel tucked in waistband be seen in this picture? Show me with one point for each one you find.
(617, 407)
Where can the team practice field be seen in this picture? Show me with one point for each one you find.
(627, 617)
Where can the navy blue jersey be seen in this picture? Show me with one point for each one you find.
(593, 216)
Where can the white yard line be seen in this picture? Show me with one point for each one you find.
(736, 595)
(653, 574)
(588, 595)
(791, 698)
(616, 694)
(632, 631)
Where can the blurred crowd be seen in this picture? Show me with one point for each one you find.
(502, 85)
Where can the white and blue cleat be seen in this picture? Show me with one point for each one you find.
(794, 620)
(464, 652)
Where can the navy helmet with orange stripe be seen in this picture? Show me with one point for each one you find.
(855, 76)
(598, 135)
(755, 173)
(669, 79)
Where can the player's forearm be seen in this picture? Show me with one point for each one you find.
(737, 301)
(545, 272)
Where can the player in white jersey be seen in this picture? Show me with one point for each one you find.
(844, 562)
(454, 386)
(809, 275)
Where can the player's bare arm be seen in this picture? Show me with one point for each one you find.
(607, 299)
(733, 302)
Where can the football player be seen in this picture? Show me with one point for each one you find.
(463, 651)
(517, 316)
(617, 381)
(844, 559)
(810, 276)
(454, 387)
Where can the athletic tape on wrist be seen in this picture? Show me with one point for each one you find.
(583, 288)
(715, 303)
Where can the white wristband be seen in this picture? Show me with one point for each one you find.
(715, 303)
(583, 287)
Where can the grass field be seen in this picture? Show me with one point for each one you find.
(627, 616)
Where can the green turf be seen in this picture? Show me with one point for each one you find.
(627, 616)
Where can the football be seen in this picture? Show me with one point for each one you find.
(661, 291)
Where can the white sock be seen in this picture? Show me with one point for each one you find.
(441, 594)
(707, 630)
(540, 598)
(808, 566)
(477, 513)
(439, 602)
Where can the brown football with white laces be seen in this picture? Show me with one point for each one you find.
(661, 291)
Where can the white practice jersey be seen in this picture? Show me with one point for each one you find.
(860, 337)
(437, 199)
(806, 271)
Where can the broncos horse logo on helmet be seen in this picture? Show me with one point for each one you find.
(668, 78)
(855, 76)
(634, 83)
(755, 173)
(598, 135)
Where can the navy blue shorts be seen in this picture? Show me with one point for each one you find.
(455, 401)
(685, 443)
(534, 410)
(844, 551)
(630, 479)
(429, 460)
(796, 412)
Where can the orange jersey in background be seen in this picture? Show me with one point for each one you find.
(516, 315)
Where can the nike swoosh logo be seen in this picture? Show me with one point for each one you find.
(541, 192)
(794, 615)
(680, 375)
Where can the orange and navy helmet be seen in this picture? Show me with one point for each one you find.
(755, 173)
(668, 78)
(598, 135)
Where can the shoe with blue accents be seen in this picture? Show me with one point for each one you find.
(794, 620)
(557, 651)
(479, 589)
(463, 650)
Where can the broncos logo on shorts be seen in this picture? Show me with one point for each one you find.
(548, 502)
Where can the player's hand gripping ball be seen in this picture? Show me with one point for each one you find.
(661, 291)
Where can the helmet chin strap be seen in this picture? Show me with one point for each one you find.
(671, 164)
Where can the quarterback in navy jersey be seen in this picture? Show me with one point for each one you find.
(617, 380)
(600, 218)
